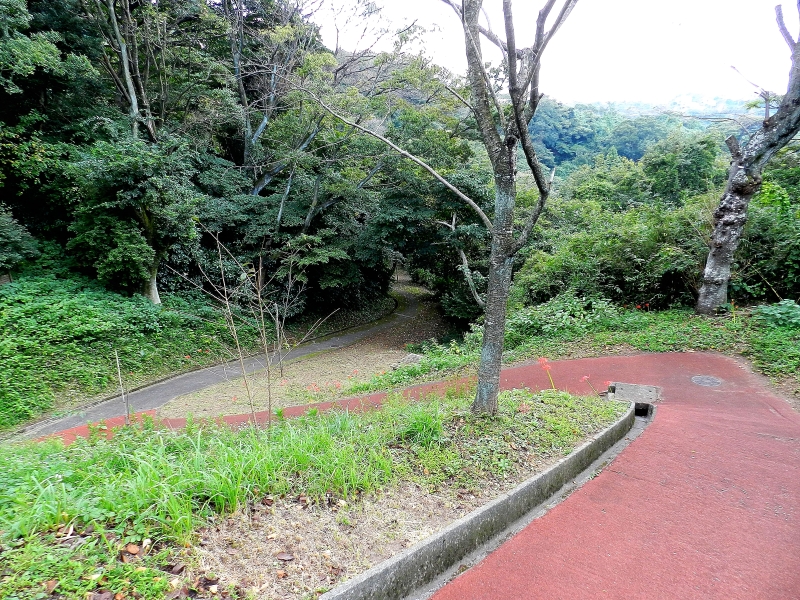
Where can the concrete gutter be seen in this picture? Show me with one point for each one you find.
(401, 575)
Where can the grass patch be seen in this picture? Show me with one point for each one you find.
(568, 326)
(59, 337)
(60, 331)
(147, 484)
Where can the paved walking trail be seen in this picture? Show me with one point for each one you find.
(146, 400)
(704, 504)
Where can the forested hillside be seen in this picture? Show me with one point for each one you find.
(151, 152)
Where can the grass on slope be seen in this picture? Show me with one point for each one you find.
(568, 326)
(67, 514)
(59, 338)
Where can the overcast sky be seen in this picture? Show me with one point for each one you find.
(634, 50)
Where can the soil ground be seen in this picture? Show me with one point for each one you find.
(318, 377)
(330, 544)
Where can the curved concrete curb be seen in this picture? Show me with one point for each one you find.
(400, 575)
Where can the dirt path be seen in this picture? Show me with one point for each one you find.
(320, 376)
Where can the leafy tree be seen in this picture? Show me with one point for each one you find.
(613, 181)
(682, 165)
(136, 200)
(16, 244)
(20, 54)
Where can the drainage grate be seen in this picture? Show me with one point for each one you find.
(644, 396)
(706, 380)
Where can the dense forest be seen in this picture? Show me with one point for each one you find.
(152, 151)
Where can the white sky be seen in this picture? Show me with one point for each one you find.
(629, 50)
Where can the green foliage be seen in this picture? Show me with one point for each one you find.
(59, 337)
(649, 254)
(21, 55)
(16, 244)
(564, 313)
(149, 483)
(785, 314)
(613, 182)
(682, 166)
(137, 201)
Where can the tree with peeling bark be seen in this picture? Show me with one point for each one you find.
(503, 128)
(745, 179)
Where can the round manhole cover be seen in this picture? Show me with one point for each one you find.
(706, 380)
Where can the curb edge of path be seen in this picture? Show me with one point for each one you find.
(421, 564)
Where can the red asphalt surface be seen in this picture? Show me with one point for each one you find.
(705, 503)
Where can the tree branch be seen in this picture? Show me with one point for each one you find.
(465, 265)
(404, 154)
(782, 26)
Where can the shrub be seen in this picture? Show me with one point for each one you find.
(784, 314)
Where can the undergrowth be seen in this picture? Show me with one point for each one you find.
(59, 337)
(160, 486)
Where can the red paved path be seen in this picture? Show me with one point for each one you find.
(704, 504)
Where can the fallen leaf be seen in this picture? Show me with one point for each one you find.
(213, 589)
(281, 573)
(178, 569)
(284, 556)
(119, 596)
(132, 549)
(49, 586)
(141, 569)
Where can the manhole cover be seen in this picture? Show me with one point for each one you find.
(706, 380)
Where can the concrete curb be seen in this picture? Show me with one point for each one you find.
(400, 575)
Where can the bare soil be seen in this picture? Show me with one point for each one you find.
(332, 543)
(319, 377)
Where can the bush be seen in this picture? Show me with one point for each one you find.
(784, 314)
(647, 254)
(59, 337)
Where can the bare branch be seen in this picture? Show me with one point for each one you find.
(404, 154)
(485, 32)
(782, 26)
(459, 97)
(465, 265)
(733, 146)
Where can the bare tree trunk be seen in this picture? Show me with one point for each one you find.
(729, 221)
(494, 327)
(150, 290)
(744, 181)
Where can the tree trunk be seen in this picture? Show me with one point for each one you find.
(744, 181)
(150, 290)
(729, 220)
(494, 329)
(501, 264)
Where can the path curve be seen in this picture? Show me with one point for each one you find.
(705, 503)
(152, 397)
